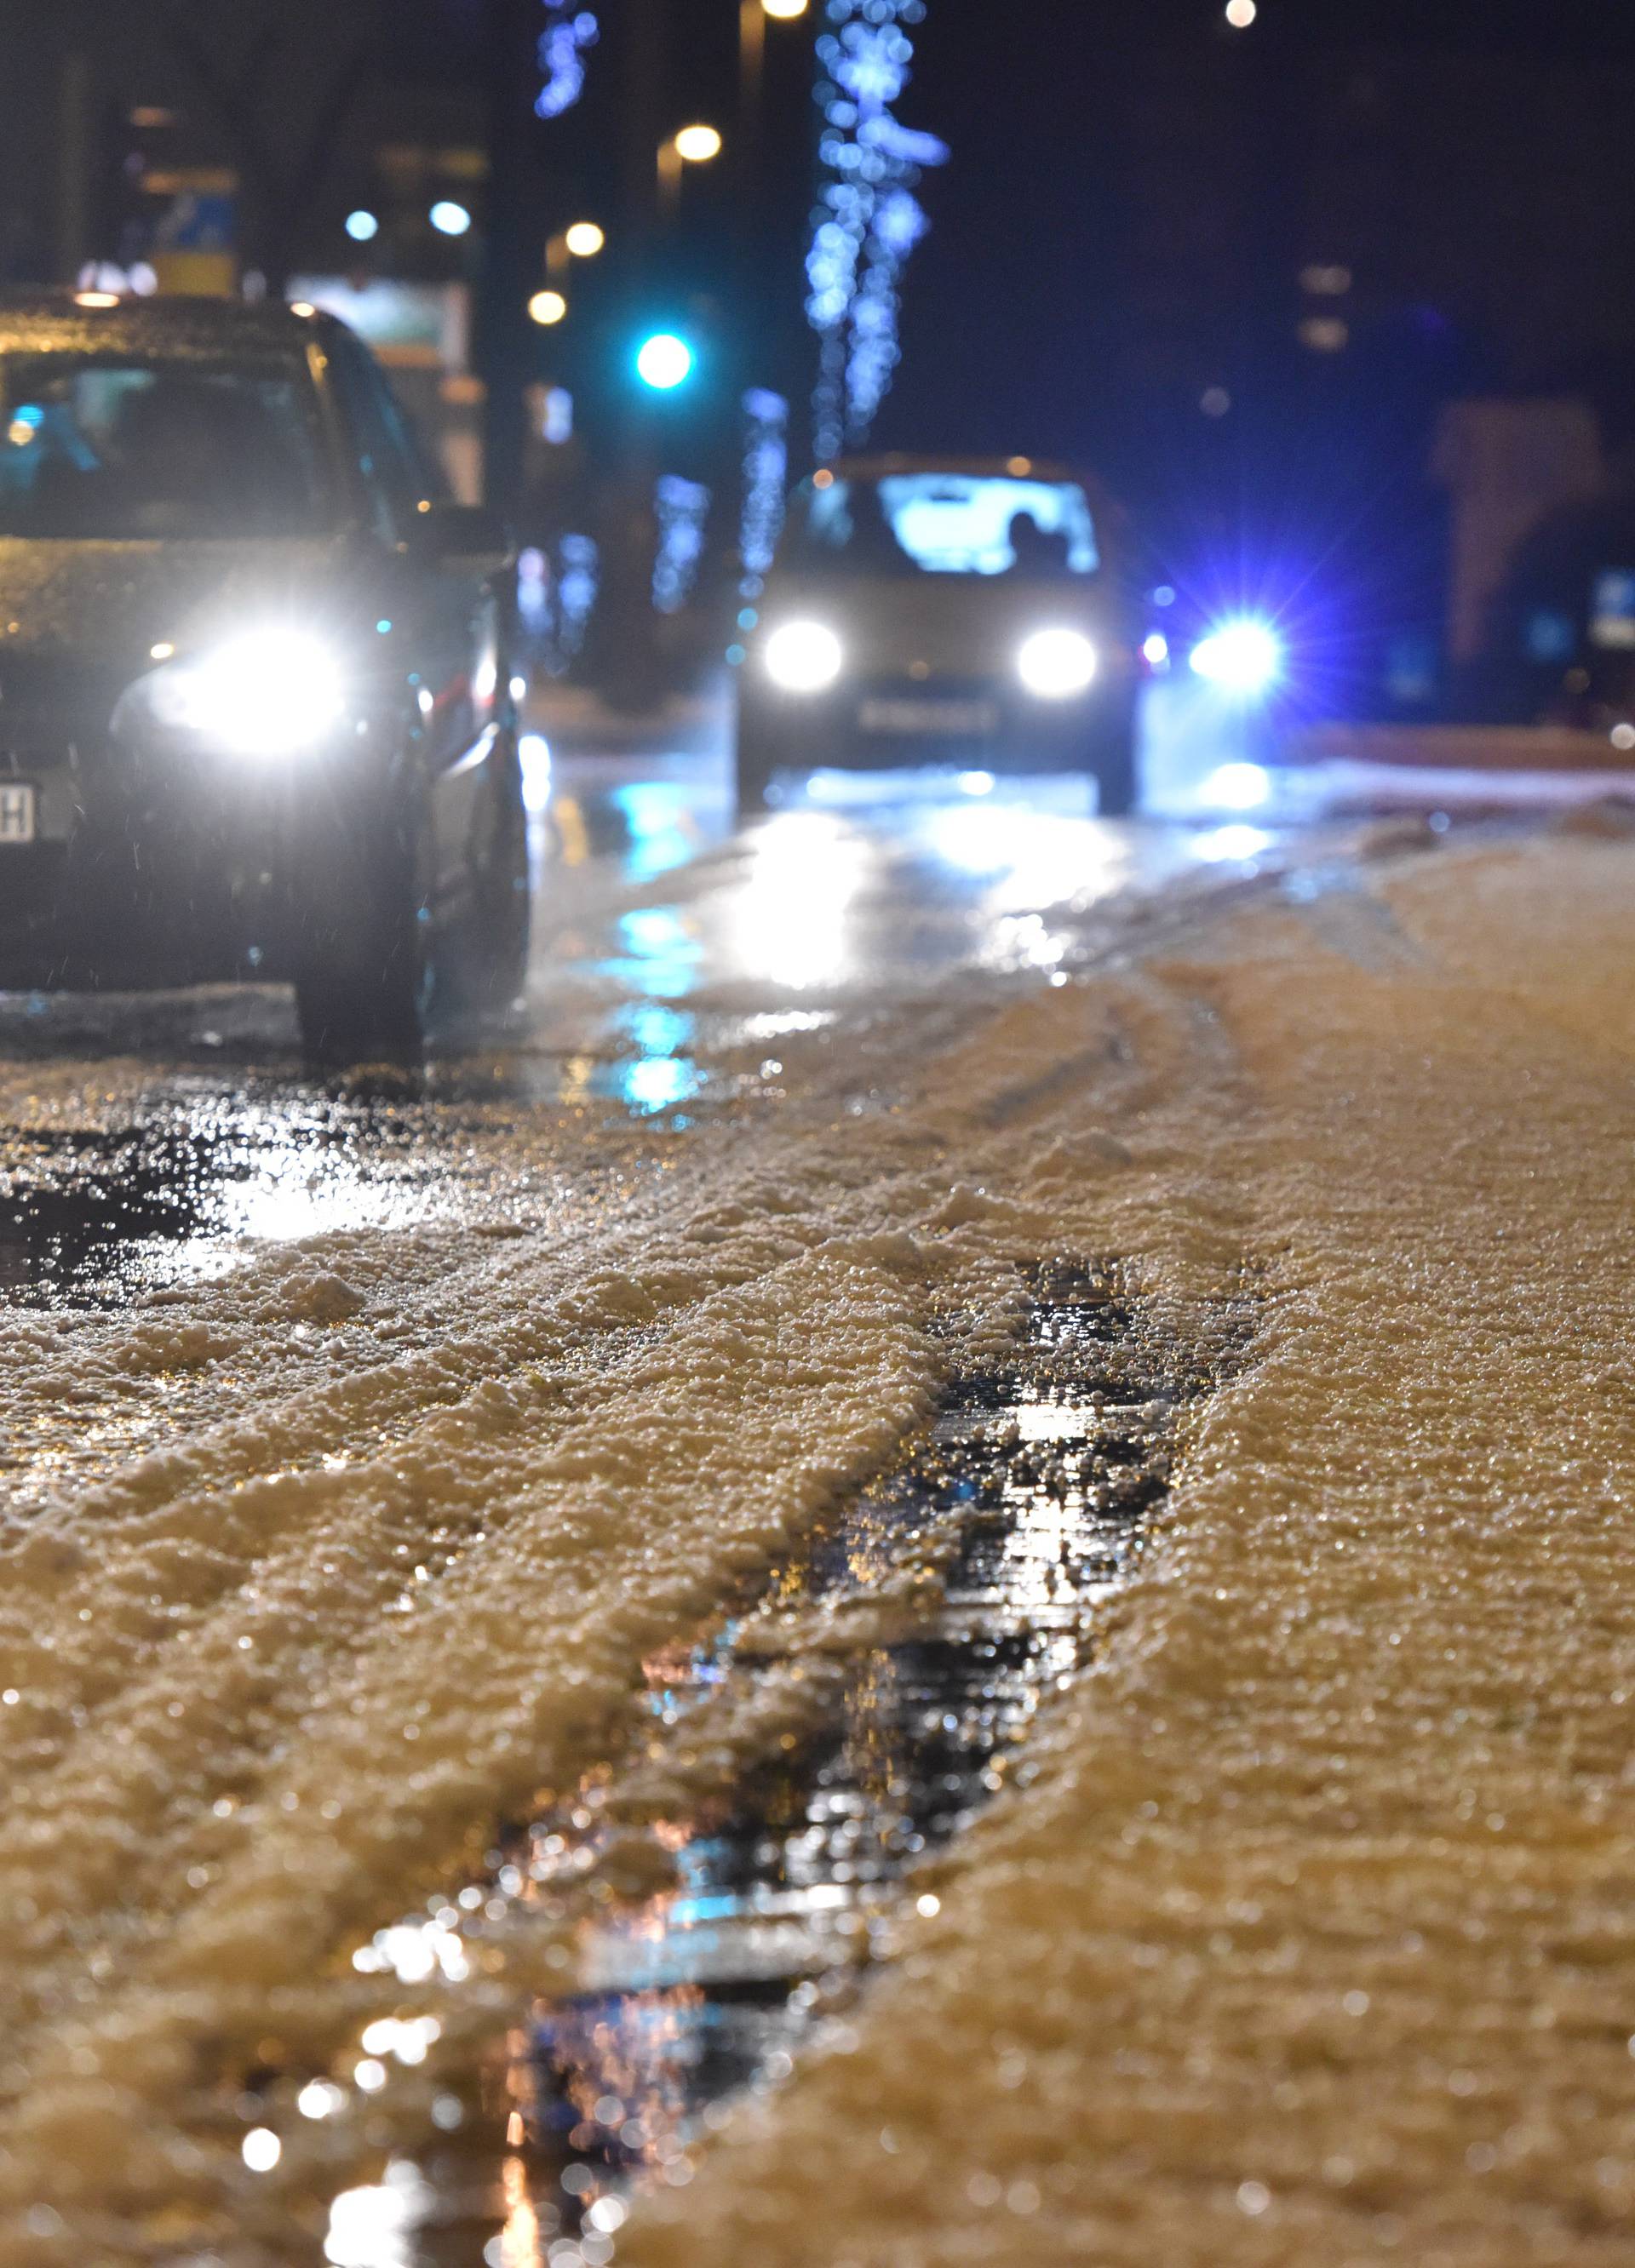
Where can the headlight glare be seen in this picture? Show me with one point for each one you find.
(1057, 664)
(803, 657)
(1243, 657)
(265, 693)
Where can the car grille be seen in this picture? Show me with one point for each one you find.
(47, 702)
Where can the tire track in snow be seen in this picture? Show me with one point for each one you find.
(769, 1397)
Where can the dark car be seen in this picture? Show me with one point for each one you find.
(255, 707)
(943, 611)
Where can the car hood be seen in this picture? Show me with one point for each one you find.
(106, 606)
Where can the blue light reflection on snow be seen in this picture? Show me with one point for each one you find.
(1221, 844)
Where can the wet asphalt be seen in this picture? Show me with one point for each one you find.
(670, 951)
(673, 954)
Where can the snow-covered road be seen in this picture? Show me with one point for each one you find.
(381, 1457)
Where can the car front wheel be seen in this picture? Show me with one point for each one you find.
(492, 964)
(362, 974)
(755, 764)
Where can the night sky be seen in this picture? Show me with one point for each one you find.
(1010, 301)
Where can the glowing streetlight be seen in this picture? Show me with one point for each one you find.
(448, 218)
(693, 145)
(585, 239)
(361, 226)
(1241, 14)
(785, 11)
(546, 308)
(696, 145)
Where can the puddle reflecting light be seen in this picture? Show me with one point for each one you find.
(261, 2149)
(1238, 786)
(1223, 842)
(807, 870)
(375, 2228)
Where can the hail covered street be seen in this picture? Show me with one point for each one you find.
(932, 1565)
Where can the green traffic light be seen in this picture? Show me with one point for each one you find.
(664, 362)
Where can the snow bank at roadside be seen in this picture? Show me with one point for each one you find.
(1315, 1940)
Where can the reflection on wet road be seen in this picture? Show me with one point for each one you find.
(716, 1898)
(673, 958)
(148, 1139)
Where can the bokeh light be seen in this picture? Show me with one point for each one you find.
(697, 144)
(664, 362)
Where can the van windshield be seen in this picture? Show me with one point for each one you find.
(907, 524)
(124, 449)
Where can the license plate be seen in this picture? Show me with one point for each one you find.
(17, 813)
(930, 717)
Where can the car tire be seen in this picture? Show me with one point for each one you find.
(494, 962)
(753, 766)
(1115, 776)
(361, 967)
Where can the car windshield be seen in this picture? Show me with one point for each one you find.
(906, 523)
(145, 448)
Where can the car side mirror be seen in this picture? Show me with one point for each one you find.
(467, 537)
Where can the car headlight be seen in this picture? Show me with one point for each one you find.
(1055, 664)
(265, 693)
(1243, 657)
(803, 657)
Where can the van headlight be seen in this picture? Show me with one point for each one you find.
(264, 693)
(803, 657)
(1055, 664)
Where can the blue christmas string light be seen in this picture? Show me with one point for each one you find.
(561, 49)
(868, 219)
(766, 478)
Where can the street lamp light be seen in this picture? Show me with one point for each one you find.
(693, 145)
(582, 241)
(786, 10)
(546, 307)
(696, 145)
